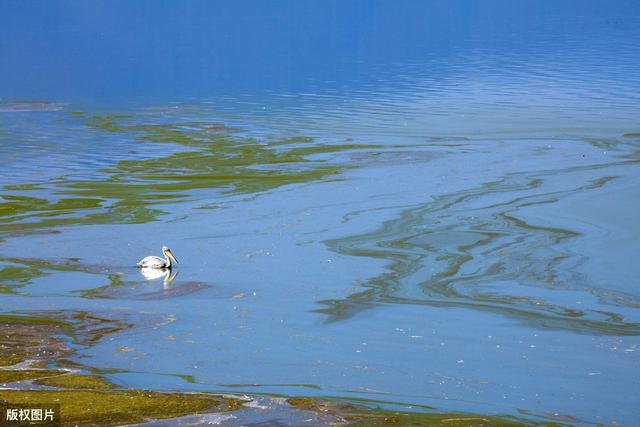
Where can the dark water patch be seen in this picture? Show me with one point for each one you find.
(175, 290)
(143, 291)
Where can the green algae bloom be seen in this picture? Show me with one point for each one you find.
(77, 381)
(97, 407)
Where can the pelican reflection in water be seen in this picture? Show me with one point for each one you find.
(155, 273)
(157, 262)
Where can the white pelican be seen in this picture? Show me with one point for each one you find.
(157, 262)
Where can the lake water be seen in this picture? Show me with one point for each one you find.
(430, 205)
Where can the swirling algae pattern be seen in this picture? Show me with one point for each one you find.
(475, 248)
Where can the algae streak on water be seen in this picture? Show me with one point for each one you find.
(475, 249)
(175, 159)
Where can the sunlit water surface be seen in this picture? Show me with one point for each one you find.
(428, 205)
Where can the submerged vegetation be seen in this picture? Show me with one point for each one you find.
(359, 415)
(173, 162)
(29, 344)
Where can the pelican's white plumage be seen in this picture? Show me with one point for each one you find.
(157, 262)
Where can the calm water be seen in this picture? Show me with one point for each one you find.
(421, 203)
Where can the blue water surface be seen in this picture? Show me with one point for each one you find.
(450, 226)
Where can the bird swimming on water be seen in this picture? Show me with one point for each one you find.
(157, 262)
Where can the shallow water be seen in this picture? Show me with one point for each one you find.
(429, 205)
